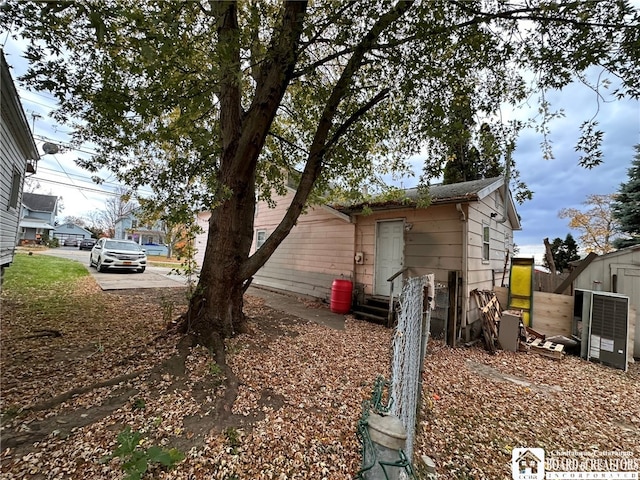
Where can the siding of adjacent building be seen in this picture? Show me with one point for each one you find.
(318, 249)
(16, 147)
(12, 160)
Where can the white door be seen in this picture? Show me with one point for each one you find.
(389, 255)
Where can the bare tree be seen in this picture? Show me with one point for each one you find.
(116, 208)
(597, 226)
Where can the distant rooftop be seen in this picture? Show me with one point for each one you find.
(39, 203)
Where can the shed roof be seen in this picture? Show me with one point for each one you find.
(37, 202)
(439, 193)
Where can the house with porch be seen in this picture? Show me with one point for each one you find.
(37, 218)
(18, 158)
(150, 235)
(465, 234)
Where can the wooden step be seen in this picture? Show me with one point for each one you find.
(380, 311)
(377, 301)
(371, 317)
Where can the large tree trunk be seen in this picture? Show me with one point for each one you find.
(215, 310)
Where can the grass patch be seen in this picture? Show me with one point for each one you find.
(38, 272)
(46, 286)
(163, 261)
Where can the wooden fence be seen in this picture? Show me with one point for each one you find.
(547, 282)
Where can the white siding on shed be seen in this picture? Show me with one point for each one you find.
(616, 272)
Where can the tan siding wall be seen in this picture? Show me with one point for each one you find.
(432, 245)
(481, 273)
(318, 250)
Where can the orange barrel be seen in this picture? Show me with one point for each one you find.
(341, 296)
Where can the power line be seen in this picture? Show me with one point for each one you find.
(76, 175)
(67, 174)
(78, 187)
(65, 145)
(87, 179)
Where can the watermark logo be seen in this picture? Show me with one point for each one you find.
(527, 464)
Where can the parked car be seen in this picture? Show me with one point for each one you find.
(70, 242)
(109, 253)
(87, 243)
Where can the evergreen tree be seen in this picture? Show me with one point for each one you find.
(626, 207)
(563, 252)
(472, 153)
(567, 253)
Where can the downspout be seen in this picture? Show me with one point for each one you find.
(465, 270)
(507, 172)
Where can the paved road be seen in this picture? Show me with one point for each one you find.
(153, 277)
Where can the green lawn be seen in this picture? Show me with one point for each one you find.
(38, 272)
(45, 287)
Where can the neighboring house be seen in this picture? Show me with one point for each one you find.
(70, 230)
(18, 157)
(37, 218)
(617, 272)
(467, 228)
(152, 237)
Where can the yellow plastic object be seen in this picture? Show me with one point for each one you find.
(521, 288)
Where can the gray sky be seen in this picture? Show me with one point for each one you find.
(558, 183)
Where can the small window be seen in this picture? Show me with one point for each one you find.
(261, 237)
(15, 188)
(486, 236)
(134, 223)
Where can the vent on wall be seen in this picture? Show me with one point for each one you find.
(605, 327)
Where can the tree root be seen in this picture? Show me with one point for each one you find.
(65, 421)
(63, 397)
(40, 334)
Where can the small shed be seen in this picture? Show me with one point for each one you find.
(616, 272)
(464, 236)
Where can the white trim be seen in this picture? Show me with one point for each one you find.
(486, 227)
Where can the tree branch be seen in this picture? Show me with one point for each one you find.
(319, 144)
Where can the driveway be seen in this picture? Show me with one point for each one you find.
(160, 277)
(153, 277)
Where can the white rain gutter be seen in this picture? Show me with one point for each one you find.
(465, 268)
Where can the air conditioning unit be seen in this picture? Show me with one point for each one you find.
(601, 321)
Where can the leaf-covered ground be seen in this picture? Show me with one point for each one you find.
(300, 389)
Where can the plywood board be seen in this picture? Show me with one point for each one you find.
(552, 313)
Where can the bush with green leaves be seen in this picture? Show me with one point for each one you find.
(136, 460)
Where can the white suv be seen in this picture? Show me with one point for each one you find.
(108, 253)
